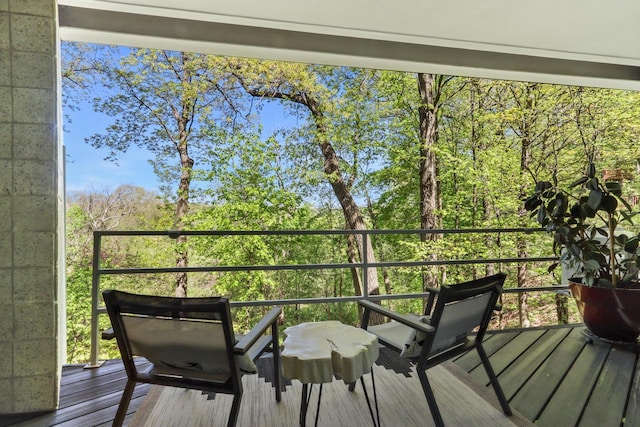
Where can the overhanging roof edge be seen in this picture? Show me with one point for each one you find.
(268, 43)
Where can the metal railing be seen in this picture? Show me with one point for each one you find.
(364, 265)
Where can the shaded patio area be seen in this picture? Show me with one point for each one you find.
(552, 376)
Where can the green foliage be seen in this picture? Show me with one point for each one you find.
(125, 208)
(78, 314)
(494, 139)
(586, 228)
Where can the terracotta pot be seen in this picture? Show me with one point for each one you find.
(613, 314)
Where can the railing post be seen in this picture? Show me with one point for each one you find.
(95, 291)
(365, 264)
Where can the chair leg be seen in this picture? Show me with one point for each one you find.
(431, 400)
(235, 410)
(124, 403)
(494, 381)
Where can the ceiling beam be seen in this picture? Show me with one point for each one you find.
(140, 30)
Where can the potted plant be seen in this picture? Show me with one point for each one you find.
(586, 221)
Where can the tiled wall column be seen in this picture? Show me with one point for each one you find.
(31, 196)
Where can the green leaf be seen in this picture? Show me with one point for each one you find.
(542, 186)
(626, 204)
(595, 198)
(621, 239)
(574, 249)
(614, 187)
(579, 182)
(631, 245)
(592, 265)
(532, 202)
(609, 204)
(592, 184)
(542, 214)
(577, 211)
(561, 204)
(628, 217)
(588, 211)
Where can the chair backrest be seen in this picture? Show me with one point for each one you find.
(464, 308)
(182, 337)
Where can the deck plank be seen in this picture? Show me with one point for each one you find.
(73, 415)
(400, 398)
(106, 415)
(492, 343)
(104, 406)
(81, 391)
(516, 374)
(80, 373)
(534, 393)
(633, 405)
(85, 394)
(505, 355)
(567, 403)
(608, 400)
(87, 377)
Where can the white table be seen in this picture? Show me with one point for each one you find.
(318, 352)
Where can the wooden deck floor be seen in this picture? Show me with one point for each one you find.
(88, 397)
(556, 377)
(552, 376)
(170, 407)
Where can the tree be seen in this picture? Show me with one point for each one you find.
(124, 208)
(533, 120)
(299, 84)
(163, 102)
(430, 90)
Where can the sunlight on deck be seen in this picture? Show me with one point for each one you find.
(401, 402)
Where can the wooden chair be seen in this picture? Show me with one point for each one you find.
(458, 323)
(190, 343)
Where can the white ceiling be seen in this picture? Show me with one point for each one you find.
(586, 42)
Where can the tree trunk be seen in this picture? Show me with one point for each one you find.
(182, 208)
(183, 117)
(429, 192)
(562, 309)
(525, 160)
(352, 214)
(350, 209)
(352, 256)
(480, 200)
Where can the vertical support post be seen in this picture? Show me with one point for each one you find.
(365, 264)
(95, 291)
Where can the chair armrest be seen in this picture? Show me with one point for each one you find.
(432, 290)
(257, 331)
(405, 320)
(108, 334)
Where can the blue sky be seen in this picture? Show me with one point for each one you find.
(86, 169)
